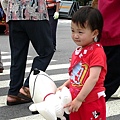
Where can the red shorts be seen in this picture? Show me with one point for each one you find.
(95, 110)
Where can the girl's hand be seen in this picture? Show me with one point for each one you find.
(60, 88)
(74, 105)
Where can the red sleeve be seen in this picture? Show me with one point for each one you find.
(98, 58)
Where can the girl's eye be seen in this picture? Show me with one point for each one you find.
(80, 32)
(72, 30)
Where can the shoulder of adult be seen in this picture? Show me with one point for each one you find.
(4, 4)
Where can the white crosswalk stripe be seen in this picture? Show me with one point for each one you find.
(64, 21)
(50, 67)
(113, 107)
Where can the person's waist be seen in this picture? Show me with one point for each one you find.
(51, 5)
(92, 96)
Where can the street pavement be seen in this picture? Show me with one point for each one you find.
(58, 71)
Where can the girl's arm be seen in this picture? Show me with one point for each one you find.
(65, 84)
(90, 83)
(87, 88)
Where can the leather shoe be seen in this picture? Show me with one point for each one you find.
(1, 70)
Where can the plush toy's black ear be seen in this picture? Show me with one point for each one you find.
(36, 71)
(35, 112)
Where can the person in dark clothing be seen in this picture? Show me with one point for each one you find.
(28, 22)
(53, 12)
(1, 64)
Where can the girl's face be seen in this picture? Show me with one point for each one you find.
(82, 36)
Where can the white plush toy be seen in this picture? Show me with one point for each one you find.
(49, 103)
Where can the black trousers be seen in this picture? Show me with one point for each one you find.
(53, 24)
(1, 64)
(21, 33)
(112, 80)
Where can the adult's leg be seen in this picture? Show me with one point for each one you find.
(112, 80)
(40, 35)
(53, 24)
(19, 43)
(1, 65)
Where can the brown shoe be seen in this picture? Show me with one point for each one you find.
(15, 100)
(24, 91)
(1, 70)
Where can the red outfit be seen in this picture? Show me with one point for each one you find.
(91, 111)
(110, 10)
(82, 61)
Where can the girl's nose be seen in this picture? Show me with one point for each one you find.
(76, 35)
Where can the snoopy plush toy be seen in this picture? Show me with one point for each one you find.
(46, 101)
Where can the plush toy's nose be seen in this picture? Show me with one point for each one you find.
(36, 71)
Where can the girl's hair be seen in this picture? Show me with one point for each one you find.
(88, 16)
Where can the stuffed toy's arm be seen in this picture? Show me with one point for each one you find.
(65, 98)
(33, 108)
(53, 105)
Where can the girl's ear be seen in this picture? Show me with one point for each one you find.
(95, 33)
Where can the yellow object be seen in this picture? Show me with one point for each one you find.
(56, 15)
